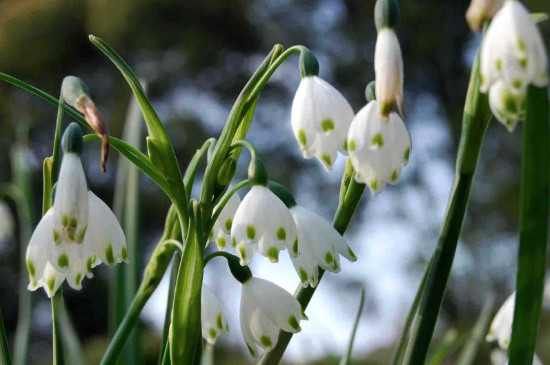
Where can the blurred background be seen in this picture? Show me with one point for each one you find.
(195, 57)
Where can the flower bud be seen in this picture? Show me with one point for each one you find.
(73, 89)
(386, 14)
(72, 139)
(480, 11)
(370, 91)
(257, 173)
(309, 66)
(226, 172)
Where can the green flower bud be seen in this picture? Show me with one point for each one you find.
(386, 14)
(257, 173)
(309, 66)
(370, 91)
(226, 172)
(282, 193)
(73, 89)
(72, 139)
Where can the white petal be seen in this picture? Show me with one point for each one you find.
(37, 257)
(507, 107)
(388, 68)
(213, 319)
(246, 309)
(51, 280)
(225, 219)
(501, 327)
(265, 332)
(104, 236)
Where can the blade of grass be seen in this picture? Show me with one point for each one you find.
(176, 259)
(468, 354)
(533, 236)
(73, 351)
(4, 348)
(477, 115)
(347, 356)
(449, 345)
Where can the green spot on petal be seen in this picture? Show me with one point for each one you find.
(517, 84)
(71, 235)
(63, 260)
(250, 232)
(220, 241)
(327, 125)
(233, 242)
(351, 145)
(335, 267)
(302, 139)
(304, 277)
(78, 278)
(64, 220)
(406, 154)
(124, 253)
(295, 246)
(351, 253)
(30, 268)
(89, 263)
(212, 334)
(81, 234)
(345, 146)
(266, 342)
(73, 223)
(228, 224)
(378, 140)
(251, 350)
(521, 45)
(56, 237)
(50, 283)
(374, 184)
(394, 175)
(499, 64)
(281, 234)
(293, 322)
(273, 254)
(329, 258)
(326, 158)
(523, 62)
(109, 255)
(242, 252)
(219, 321)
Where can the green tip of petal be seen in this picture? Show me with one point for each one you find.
(124, 253)
(250, 232)
(220, 241)
(266, 342)
(212, 334)
(295, 246)
(304, 277)
(109, 254)
(219, 321)
(31, 268)
(329, 258)
(273, 254)
(63, 260)
(281, 234)
(327, 125)
(293, 322)
(228, 224)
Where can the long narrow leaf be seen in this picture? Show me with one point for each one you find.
(4, 348)
(347, 356)
(533, 237)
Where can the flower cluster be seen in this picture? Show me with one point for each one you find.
(513, 56)
(77, 233)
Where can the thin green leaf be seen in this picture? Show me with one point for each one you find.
(347, 356)
(533, 236)
(449, 345)
(468, 354)
(4, 348)
(73, 351)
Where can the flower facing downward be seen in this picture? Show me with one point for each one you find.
(513, 51)
(378, 148)
(320, 115)
(213, 319)
(388, 67)
(320, 246)
(77, 233)
(501, 327)
(262, 223)
(265, 309)
(221, 232)
(507, 107)
(480, 11)
(500, 357)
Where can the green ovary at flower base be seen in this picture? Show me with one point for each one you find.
(77, 233)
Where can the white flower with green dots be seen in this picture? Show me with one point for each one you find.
(213, 318)
(77, 233)
(507, 106)
(221, 232)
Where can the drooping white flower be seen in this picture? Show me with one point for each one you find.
(513, 51)
(221, 232)
(213, 318)
(500, 357)
(480, 11)
(320, 245)
(6, 222)
(320, 120)
(501, 327)
(77, 233)
(508, 107)
(388, 68)
(265, 309)
(378, 148)
(262, 223)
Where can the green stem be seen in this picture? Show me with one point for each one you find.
(402, 346)
(166, 355)
(477, 115)
(123, 331)
(346, 359)
(191, 172)
(533, 231)
(57, 303)
(244, 143)
(5, 358)
(57, 140)
(168, 315)
(341, 221)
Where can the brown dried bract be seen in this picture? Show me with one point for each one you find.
(93, 117)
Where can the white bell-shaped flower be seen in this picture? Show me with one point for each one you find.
(513, 51)
(500, 357)
(320, 245)
(262, 223)
(77, 233)
(265, 309)
(320, 120)
(388, 68)
(221, 232)
(378, 148)
(507, 107)
(501, 327)
(480, 11)
(6, 222)
(213, 318)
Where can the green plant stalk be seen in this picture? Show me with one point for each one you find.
(468, 354)
(477, 115)
(402, 345)
(73, 351)
(169, 304)
(57, 140)
(166, 355)
(342, 218)
(5, 358)
(533, 226)
(22, 195)
(57, 340)
(450, 344)
(186, 310)
(208, 357)
(191, 172)
(346, 359)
